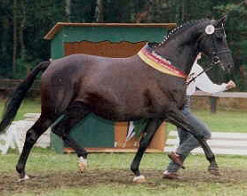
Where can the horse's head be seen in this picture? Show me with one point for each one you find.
(212, 42)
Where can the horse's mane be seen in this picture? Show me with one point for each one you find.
(182, 27)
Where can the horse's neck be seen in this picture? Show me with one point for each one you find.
(180, 54)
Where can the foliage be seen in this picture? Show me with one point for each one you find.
(237, 32)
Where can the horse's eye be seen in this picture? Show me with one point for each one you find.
(219, 34)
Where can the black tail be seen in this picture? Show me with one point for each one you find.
(14, 102)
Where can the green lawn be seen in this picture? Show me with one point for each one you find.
(28, 106)
(225, 121)
(102, 177)
(222, 121)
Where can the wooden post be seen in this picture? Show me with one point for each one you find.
(213, 104)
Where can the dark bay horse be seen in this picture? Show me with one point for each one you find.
(121, 89)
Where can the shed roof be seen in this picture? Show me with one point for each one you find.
(55, 29)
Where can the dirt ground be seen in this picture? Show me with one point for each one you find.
(56, 180)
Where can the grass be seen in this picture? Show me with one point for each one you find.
(52, 161)
(28, 106)
(225, 121)
(222, 121)
(141, 190)
(47, 162)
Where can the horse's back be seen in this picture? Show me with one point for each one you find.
(76, 76)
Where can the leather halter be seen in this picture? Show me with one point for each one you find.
(215, 54)
(215, 60)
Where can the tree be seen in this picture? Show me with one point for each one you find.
(68, 9)
(237, 32)
(99, 10)
(14, 36)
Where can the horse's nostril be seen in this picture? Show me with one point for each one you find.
(216, 59)
(229, 67)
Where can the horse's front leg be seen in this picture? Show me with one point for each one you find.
(149, 132)
(177, 118)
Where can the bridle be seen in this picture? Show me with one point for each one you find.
(215, 53)
(215, 60)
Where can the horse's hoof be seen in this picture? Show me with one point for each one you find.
(82, 164)
(26, 177)
(214, 170)
(82, 167)
(139, 179)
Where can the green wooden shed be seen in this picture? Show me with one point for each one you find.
(103, 39)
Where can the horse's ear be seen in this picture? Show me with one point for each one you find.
(221, 21)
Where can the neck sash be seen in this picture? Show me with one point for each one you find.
(159, 63)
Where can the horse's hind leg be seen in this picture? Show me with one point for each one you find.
(177, 118)
(73, 114)
(32, 136)
(149, 132)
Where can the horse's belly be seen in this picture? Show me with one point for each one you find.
(125, 112)
(117, 114)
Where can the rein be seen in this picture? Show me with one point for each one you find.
(204, 71)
